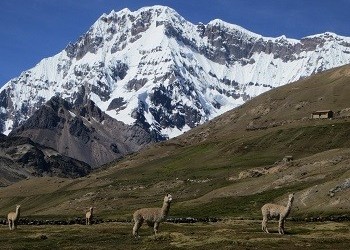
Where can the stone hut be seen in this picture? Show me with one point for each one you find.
(322, 114)
(288, 158)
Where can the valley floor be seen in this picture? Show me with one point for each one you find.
(229, 234)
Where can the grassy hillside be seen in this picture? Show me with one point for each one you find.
(229, 167)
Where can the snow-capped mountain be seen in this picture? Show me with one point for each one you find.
(154, 67)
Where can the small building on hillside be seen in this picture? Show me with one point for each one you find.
(288, 158)
(322, 114)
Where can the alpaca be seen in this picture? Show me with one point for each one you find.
(152, 216)
(13, 217)
(270, 211)
(89, 215)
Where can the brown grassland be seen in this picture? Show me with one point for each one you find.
(229, 234)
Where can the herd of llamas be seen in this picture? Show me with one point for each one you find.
(154, 216)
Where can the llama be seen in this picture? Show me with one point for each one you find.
(13, 217)
(270, 211)
(88, 216)
(152, 216)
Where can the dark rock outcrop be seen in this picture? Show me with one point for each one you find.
(83, 132)
(21, 158)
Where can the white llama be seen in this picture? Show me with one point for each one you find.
(13, 217)
(88, 216)
(270, 211)
(152, 216)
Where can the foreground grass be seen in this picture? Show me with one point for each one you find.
(230, 234)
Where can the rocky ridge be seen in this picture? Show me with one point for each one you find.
(21, 158)
(83, 132)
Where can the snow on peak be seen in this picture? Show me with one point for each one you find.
(162, 8)
(329, 36)
(158, 9)
(234, 27)
(221, 23)
(283, 38)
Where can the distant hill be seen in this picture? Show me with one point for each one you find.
(21, 158)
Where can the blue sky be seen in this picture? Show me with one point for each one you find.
(34, 29)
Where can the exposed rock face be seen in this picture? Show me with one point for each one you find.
(21, 158)
(152, 67)
(83, 132)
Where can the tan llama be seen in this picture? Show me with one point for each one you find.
(88, 216)
(13, 218)
(152, 216)
(270, 211)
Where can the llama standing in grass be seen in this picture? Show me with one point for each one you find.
(270, 211)
(152, 216)
(88, 216)
(13, 217)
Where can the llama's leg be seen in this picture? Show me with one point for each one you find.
(9, 221)
(264, 225)
(155, 228)
(137, 225)
(281, 226)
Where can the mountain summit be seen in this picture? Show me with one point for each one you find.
(153, 67)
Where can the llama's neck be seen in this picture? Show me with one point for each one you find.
(165, 209)
(17, 213)
(288, 208)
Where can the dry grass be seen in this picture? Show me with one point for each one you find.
(230, 234)
(116, 193)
